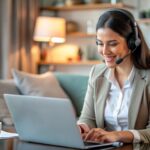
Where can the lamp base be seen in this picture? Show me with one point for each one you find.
(43, 54)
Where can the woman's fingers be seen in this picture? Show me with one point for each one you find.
(94, 134)
(84, 135)
(100, 135)
(89, 135)
(83, 128)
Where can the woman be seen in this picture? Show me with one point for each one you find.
(117, 102)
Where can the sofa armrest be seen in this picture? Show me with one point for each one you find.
(75, 86)
(6, 87)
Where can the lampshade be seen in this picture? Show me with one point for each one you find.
(50, 29)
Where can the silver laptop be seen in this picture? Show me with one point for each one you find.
(46, 120)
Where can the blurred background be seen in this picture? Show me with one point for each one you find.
(57, 35)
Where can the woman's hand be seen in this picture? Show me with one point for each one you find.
(84, 129)
(100, 135)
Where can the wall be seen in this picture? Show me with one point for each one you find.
(145, 5)
(81, 17)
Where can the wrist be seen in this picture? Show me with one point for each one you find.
(125, 136)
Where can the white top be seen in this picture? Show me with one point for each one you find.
(117, 104)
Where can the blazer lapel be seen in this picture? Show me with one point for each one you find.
(102, 89)
(138, 87)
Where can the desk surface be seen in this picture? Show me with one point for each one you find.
(15, 144)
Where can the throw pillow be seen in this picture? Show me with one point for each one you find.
(38, 85)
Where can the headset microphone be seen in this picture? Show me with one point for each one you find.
(119, 60)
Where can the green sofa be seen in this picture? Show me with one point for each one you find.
(74, 85)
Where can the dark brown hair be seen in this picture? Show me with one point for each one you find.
(122, 22)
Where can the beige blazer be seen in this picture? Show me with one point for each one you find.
(139, 110)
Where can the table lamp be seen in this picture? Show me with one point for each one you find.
(49, 30)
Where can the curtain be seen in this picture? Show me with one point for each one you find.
(17, 49)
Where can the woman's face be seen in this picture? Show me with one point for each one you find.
(111, 46)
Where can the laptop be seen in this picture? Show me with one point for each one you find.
(47, 120)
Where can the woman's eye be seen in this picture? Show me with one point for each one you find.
(98, 43)
(113, 44)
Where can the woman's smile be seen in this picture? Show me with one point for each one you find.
(109, 59)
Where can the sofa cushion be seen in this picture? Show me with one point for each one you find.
(38, 85)
(75, 86)
(8, 87)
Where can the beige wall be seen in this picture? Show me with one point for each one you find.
(81, 17)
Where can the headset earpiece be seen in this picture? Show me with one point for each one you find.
(133, 40)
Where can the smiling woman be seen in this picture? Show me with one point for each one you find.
(115, 102)
(111, 45)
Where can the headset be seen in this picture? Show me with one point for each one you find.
(133, 40)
